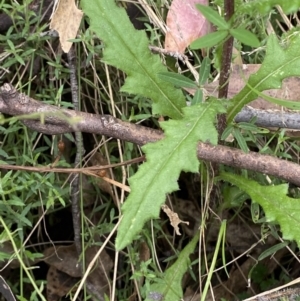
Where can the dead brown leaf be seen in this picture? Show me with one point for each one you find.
(65, 260)
(99, 276)
(66, 21)
(290, 88)
(185, 24)
(174, 219)
(58, 284)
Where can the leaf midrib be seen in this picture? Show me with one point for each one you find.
(162, 167)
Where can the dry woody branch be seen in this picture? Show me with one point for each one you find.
(51, 120)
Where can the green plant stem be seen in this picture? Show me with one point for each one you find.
(21, 261)
(214, 260)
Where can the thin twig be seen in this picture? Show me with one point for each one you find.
(83, 170)
(75, 191)
(225, 65)
(15, 103)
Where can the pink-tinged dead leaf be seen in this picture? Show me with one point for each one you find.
(66, 21)
(185, 24)
(290, 89)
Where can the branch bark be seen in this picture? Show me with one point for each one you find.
(75, 180)
(225, 65)
(274, 119)
(58, 121)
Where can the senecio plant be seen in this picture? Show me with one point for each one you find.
(127, 49)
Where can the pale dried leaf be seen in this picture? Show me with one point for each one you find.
(185, 24)
(174, 219)
(66, 21)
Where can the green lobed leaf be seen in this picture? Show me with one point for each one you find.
(278, 64)
(209, 40)
(127, 49)
(165, 160)
(275, 202)
(212, 16)
(265, 6)
(170, 288)
(245, 36)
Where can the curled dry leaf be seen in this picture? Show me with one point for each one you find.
(185, 24)
(61, 146)
(66, 21)
(174, 219)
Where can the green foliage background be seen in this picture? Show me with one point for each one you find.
(147, 81)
